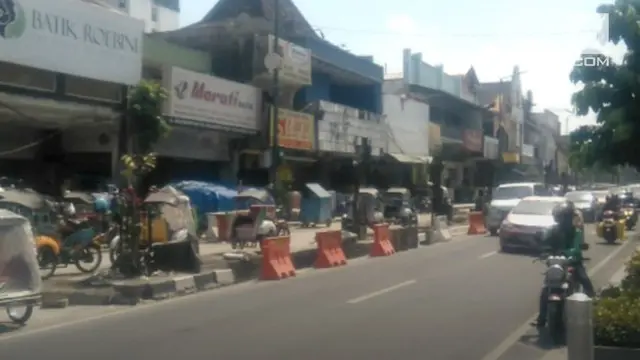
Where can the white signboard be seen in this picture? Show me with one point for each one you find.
(72, 37)
(211, 100)
(296, 62)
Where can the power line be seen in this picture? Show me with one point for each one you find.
(373, 32)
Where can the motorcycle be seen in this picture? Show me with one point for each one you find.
(559, 282)
(609, 227)
(630, 217)
(80, 246)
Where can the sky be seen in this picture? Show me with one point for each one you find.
(543, 38)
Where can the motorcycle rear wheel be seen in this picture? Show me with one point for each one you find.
(47, 257)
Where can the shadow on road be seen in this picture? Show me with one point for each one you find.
(539, 338)
(8, 327)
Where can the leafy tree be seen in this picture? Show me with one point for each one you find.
(610, 90)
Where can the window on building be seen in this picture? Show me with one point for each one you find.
(122, 4)
(154, 14)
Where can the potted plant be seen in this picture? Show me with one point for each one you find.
(616, 319)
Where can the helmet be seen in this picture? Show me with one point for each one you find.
(563, 212)
(101, 205)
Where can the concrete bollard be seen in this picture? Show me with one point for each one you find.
(579, 308)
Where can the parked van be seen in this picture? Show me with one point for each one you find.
(505, 197)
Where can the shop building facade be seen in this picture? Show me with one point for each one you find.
(58, 83)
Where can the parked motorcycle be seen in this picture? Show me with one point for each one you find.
(559, 282)
(79, 246)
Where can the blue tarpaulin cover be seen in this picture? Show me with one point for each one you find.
(209, 196)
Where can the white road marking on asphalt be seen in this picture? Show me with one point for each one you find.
(381, 292)
(489, 254)
(505, 345)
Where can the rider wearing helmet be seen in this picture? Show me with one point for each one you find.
(566, 237)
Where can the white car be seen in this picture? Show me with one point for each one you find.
(505, 197)
(527, 223)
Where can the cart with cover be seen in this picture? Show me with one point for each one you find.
(20, 282)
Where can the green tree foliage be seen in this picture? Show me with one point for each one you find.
(145, 115)
(610, 90)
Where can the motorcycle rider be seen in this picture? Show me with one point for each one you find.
(566, 238)
(611, 203)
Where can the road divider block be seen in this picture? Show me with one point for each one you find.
(276, 259)
(330, 252)
(441, 231)
(476, 223)
(381, 241)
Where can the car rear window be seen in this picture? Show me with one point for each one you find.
(534, 207)
(512, 192)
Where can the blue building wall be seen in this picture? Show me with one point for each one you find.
(367, 97)
(360, 97)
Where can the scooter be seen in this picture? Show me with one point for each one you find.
(80, 246)
(630, 216)
(609, 227)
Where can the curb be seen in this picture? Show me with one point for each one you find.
(133, 292)
(136, 292)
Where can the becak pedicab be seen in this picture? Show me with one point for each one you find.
(20, 283)
(250, 227)
(168, 231)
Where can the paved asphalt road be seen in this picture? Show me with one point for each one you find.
(455, 301)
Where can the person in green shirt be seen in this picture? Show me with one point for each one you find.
(566, 238)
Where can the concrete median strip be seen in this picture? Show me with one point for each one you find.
(97, 290)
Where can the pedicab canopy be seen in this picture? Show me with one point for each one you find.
(174, 207)
(19, 271)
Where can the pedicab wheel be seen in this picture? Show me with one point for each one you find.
(47, 261)
(284, 231)
(92, 252)
(19, 314)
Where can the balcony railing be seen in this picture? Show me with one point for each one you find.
(341, 128)
(347, 111)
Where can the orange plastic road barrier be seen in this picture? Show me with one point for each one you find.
(330, 253)
(382, 245)
(276, 259)
(476, 223)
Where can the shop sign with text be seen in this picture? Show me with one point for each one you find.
(211, 101)
(72, 37)
(296, 130)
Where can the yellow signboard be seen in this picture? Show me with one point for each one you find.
(296, 130)
(511, 158)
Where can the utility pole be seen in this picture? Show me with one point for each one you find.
(275, 148)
